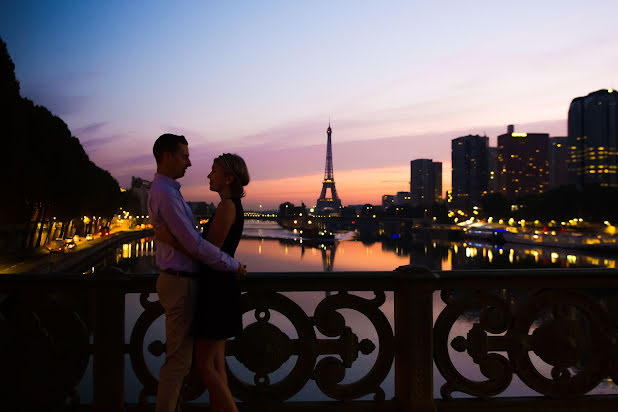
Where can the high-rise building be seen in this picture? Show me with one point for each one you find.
(593, 139)
(523, 163)
(437, 182)
(425, 182)
(492, 164)
(403, 198)
(558, 161)
(388, 201)
(470, 176)
(449, 196)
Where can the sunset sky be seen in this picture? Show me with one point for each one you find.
(397, 79)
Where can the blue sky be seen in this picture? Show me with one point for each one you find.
(398, 81)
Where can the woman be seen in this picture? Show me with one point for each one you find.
(218, 315)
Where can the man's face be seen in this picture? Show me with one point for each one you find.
(179, 161)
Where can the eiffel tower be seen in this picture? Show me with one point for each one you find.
(332, 203)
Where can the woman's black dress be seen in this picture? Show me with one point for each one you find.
(217, 305)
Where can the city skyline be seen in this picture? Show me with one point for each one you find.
(398, 82)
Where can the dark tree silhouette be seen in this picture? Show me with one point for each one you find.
(495, 204)
(592, 203)
(47, 175)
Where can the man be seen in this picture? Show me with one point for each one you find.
(176, 284)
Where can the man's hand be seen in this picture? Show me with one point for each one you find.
(241, 271)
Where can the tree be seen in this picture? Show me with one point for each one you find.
(48, 173)
(495, 204)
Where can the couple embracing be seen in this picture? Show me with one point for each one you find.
(198, 285)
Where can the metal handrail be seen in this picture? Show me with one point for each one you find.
(414, 344)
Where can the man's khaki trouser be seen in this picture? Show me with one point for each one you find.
(177, 296)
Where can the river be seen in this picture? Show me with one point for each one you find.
(266, 247)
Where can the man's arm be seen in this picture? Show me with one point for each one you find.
(163, 234)
(172, 210)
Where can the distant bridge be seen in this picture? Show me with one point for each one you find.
(260, 215)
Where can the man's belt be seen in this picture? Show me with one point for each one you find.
(180, 273)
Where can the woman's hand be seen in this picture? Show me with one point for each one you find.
(241, 272)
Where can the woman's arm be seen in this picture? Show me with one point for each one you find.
(221, 222)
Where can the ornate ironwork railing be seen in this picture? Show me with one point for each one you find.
(555, 330)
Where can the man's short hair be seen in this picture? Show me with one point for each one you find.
(167, 143)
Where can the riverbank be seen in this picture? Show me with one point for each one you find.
(42, 260)
(584, 240)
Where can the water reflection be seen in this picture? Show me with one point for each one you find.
(136, 256)
(294, 255)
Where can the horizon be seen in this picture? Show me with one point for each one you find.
(397, 82)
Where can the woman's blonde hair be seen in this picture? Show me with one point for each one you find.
(234, 165)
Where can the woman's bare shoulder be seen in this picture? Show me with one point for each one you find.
(226, 208)
(226, 204)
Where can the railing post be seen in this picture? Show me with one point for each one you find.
(108, 349)
(414, 341)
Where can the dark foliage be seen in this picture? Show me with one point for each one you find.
(495, 204)
(46, 172)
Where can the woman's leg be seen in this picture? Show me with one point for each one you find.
(207, 351)
(220, 361)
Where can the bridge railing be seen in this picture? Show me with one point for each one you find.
(552, 334)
